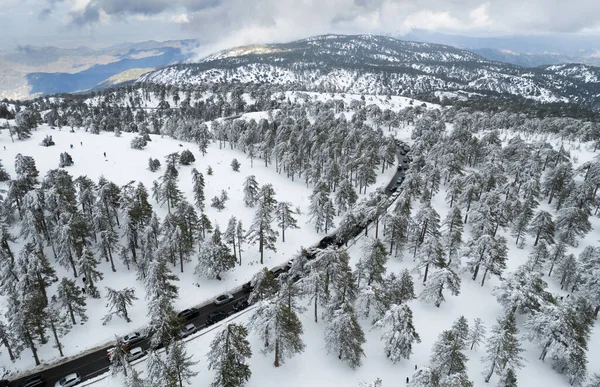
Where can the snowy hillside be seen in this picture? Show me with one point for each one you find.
(381, 65)
(496, 218)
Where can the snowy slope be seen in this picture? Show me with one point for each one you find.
(382, 65)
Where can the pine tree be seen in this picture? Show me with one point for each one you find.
(572, 223)
(430, 253)
(476, 334)
(425, 377)
(118, 357)
(522, 291)
(345, 196)
(401, 335)
(241, 238)
(542, 227)
(538, 256)
(452, 236)
(594, 381)
(187, 157)
(179, 365)
(508, 379)
(264, 285)
(228, 354)
(490, 253)
(4, 176)
(261, 231)
(229, 236)
(251, 191)
(400, 290)
(321, 209)
(153, 164)
(447, 357)
(279, 328)
(440, 279)
(108, 244)
(156, 372)
(503, 348)
(119, 300)
(134, 379)
(372, 265)
(522, 221)
(235, 165)
(285, 218)
(69, 295)
(460, 328)
(87, 265)
(344, 336)
(214, 257)
(198, 188)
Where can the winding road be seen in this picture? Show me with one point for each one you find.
(96, 363)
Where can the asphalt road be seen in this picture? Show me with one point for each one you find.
(96, 363)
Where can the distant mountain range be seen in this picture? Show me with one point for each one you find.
(373, 64)
(527, 51)
(32, 71)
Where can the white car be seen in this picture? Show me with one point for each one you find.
(135, 353)
(187, 330)
(290, 263)
(223, 299)
(132, 338)
(68, 381)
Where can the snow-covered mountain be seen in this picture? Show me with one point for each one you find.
(384, 65)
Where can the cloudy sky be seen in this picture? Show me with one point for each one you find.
(226, 23)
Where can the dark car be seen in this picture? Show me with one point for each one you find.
(35, 381)
(327, 241)
(240, 305)
(393, 188)
(276, 272)
(247, 287)
(189, 314)
(216, 317)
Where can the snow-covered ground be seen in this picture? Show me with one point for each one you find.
(123, 164)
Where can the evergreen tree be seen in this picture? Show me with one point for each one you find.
(522, 291)
(228, 354)
(57, 322)
(542, 227)
(557, 255)
(251, 191)
(10, 342)
(372, 265)
(65, 160)
(476, 334)
(156, 372)
(447, 357)
(4, 176)
(198, 188)
(118, 301)
(108, 244)
(229, 236)
(521, 224)
(503, 348)
(440, 279)
(485, 251)
(214, 257)
(452, 236)
(460, 328)
(134, 379)
(87, 265)
(264, 286)
(279, 328)
(235, 165)
(285, 218)
(178, 364)
(572, 223)
(153, 164)
(261, 231)
(425, 377)
(118, 357)
(187, 157)
(400, 290)
(320, 209)
(241, 238)
(508, 379)
(168, 190)
(345, 196)
(344, 336)
(538, 256)
(401, 335)
(594, 381)
(70, 297)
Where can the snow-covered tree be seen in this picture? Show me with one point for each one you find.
(251, 189)
(119, 301)
(542, 227)
(490, 253)
(508, 379)
(522, 291)
(118, 357)
(156, 371)
(441, 279)
(235, 165)
(452, 236)
(198, 188)
(285, 218)
(344, 336)
(321, 209)
(228, 354)
(401, 333)
(87, 266)
(503, 348)
(69, 295)
(261, 231)
(372, 265)
(447, 357)
(279, 328)
(214, 257)
(178, 365)
(476, 334)
(425, 377)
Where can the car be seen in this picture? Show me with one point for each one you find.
(135, 353)
(132, 338)
(223, 299)
(241, 305)
(276, 272)
(399, 180)
(405, 166)
(405, 159)
(406, 148)
(187, 330)
(189, 314)
(393, 188)
(215, 317)
(35, 381)
(69, 380)
(311, 253)
(290, 263)
(247, 287)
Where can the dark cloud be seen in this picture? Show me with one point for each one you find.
(46, 12)
(89, 15)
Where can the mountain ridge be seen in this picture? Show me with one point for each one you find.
(385, 65)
